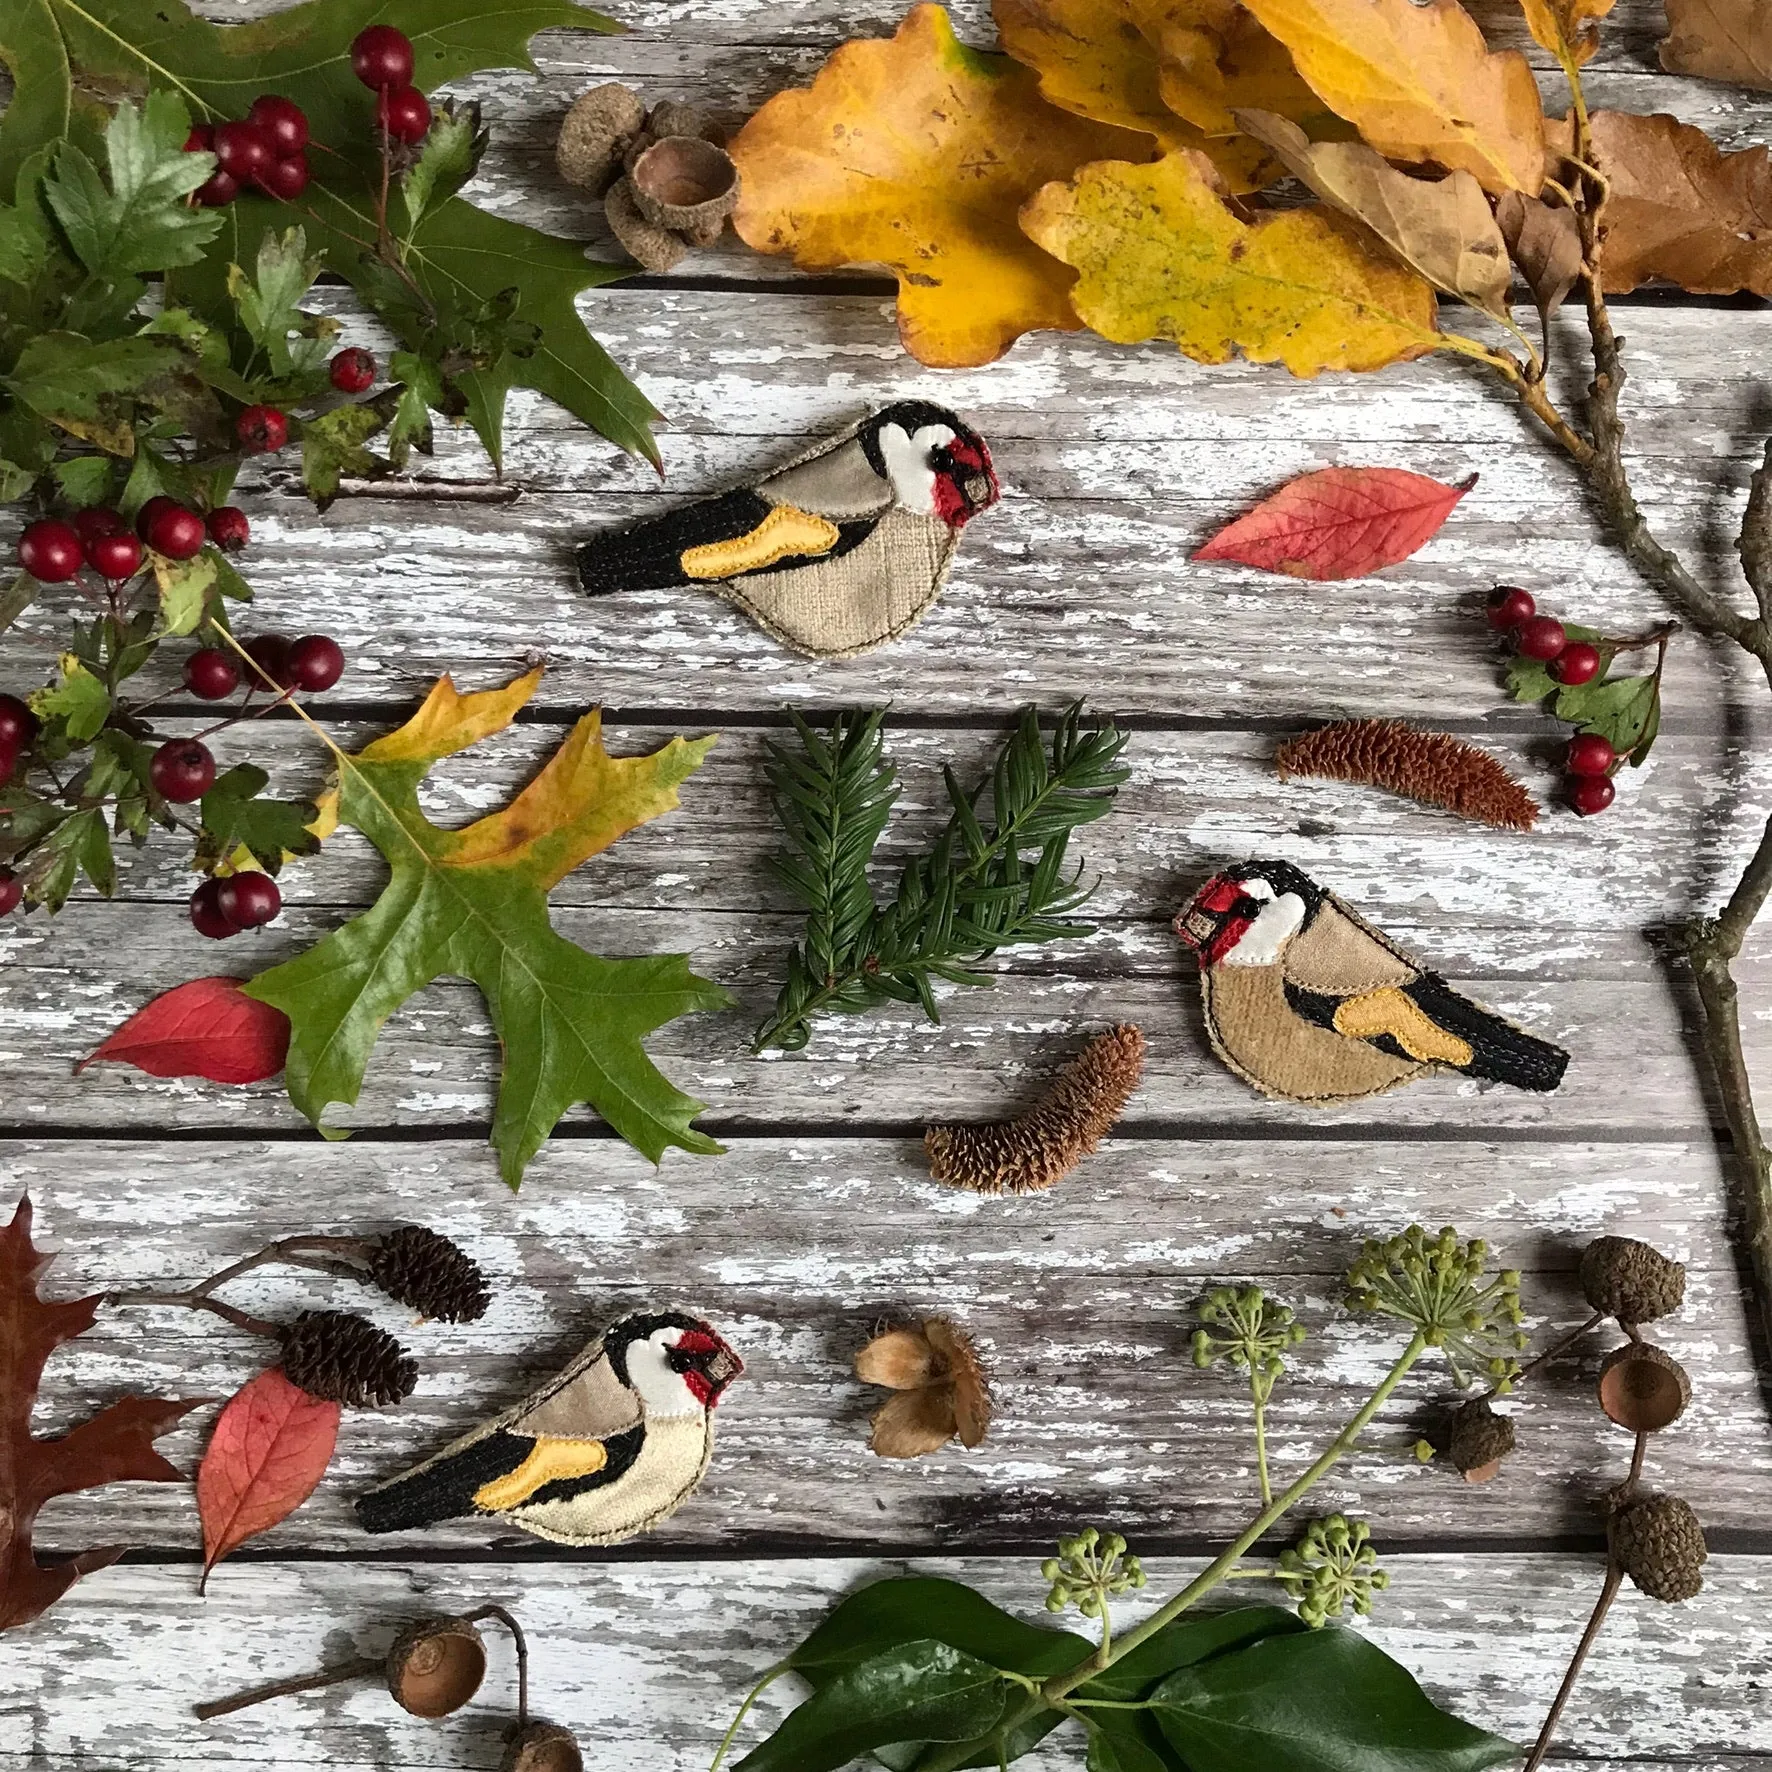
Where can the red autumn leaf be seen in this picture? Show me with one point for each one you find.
(1339, 523)
(271, 1446)
(207, 1028)
(113, 1446)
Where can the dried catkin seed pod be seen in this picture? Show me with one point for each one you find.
(1478, 1439)
(1631, 1281)
(595, 134)
(657, 249)
(1660, 1545)
(436, 1666)
(542, 1747)
(1642, 1388)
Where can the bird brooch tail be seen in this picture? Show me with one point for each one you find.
(1499, 1051)
(461, 1479)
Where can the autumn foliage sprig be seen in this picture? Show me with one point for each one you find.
(995, 877)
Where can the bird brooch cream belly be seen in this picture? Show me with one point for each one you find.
(607, 1448)
(1307, 1001)
(843, 549)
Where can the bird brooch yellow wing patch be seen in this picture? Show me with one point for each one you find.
(605, 1449)
(841, 550)
(1310, 1003)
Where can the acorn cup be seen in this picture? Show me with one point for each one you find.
(436, 1666)
(1642, 1388)
(686, 185)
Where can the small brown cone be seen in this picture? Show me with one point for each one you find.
(1630, 1280)
(340, 1357)
(1660, 1545)
(436, 1666)
(434, 1276)
(542, 1747)
(1642, 1388)
(1478, 1439)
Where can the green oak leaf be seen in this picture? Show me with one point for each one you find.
(460, 257)
(473, 904)
(1315, 1701)
(235, 814)
(79, 702)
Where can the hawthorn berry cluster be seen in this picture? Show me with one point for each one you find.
(267, 149)
(381, 57)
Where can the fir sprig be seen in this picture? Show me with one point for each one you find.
(982, 887)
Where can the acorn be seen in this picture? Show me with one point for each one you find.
(1660, 1545)
(436, 1666)
(1642, 1388)
(1630, 1280)
(1478, 1439)
(656, 248)
(672, 117)
(542, 1747)
(685, 185)
(594, 135)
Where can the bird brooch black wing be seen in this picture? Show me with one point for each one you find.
(839, 551)
(607, 1448)
(1307, 1001)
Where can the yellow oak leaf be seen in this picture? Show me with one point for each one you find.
(915, 153)
(1419, 83)
(1568, 25)
(1160, 256)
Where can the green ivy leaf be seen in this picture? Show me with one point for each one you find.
(79, 702)
(1315, 1701)
(446, 161)
(185, 590)
(1115, 1746)
(332, 446)
(235, 814)
(1186, 1642)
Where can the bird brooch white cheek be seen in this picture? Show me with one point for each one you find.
(1307, 1001)
(607, 1448)
(841, 550)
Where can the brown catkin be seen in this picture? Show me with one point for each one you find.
(1433, 767)
(1046, 1143)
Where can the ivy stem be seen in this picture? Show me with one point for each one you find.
(1258, 1404)
(744, 1710)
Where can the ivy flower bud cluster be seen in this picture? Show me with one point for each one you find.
(1090, 1569)
(1332, 1567)
(1438, 1286)
(1243, 1326)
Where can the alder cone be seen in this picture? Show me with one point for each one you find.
(436, 1278)
(340, 1357)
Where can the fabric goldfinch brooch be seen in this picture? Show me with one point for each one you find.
(607, 1448)
(843, 549)
(1308, 1002)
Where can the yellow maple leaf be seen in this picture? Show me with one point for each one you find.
(1419, 83)
(915, 153)
(1160, 256)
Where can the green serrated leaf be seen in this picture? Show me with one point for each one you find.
(91, 387)
(80, 703)
(84, 480)
(1619, 709)
(25, 245)
(269, 302)
(15, 481)
(236, 815)
(185, 589)
(17, 598)
(446, 161)
(422, 391)
(25, 819)
(228, 582)
(332, 446)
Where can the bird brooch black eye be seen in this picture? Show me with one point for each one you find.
(606, 1449)
(841, 550)
(1308, 1002)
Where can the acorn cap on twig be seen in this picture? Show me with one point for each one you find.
(657, 249)
(436, 1666)
(542, 1747)
(430, 1273)
(682, 182)
(1478, 1439)
(1630, 1280)
(596, 131)
(340, 1357)
(1660, 1545)
(1643, 1388)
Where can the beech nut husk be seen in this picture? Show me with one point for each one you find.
(682, 182)
(542, 1747)
(436, 1666)
(656, 248)
(1642, 1388)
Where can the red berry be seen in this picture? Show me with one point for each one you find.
(50, 551)
(206, 914)
(242, 150)
(248, 899)
(1578, 662)
(218, 189)
(8, 762)
(201, 140)
(316, 662)
(285, 179)
(352, 371)
(382, 57)
(1589, 794)
(11, 891)
(114, 556)
(228, 528)
(177, 533)
(182, 769)
(284, 123)
(1509, 606)
(149, 514)
(1590, 754)
(405, 113)
(100, 520)
(211, 675)
(270, 652)
(1541, 637)
(18, 725)
(261, 430)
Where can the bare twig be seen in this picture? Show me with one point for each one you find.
(1608, 1593)
(329, 1676)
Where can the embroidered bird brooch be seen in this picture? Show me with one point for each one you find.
(843, 549)
(1308, 1002)
(609, 1447)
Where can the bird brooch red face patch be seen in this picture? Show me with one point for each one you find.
(607, 1448)
(1310, 1003)
(844, 548)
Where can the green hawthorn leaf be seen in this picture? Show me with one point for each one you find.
(332, 446)
(84, 480)
(17, 598)
(92, 387)
(235, 814)
(185, 590)
(446, 161)
(1527, 679)
(472, 903)
(15, 481)
(228, 582)
(25, 819)
(79, 702)
(269, 304)
(1620, 709)
(25, 244)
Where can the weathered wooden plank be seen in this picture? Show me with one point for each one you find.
(647, 1662)
(1082, 1300)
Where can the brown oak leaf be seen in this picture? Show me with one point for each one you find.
(114, 1446)
(1720, 40)
(1545, 244)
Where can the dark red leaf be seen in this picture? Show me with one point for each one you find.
(207, 1028)
(114, 1446)
(271, 1446)
(1338, 523)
